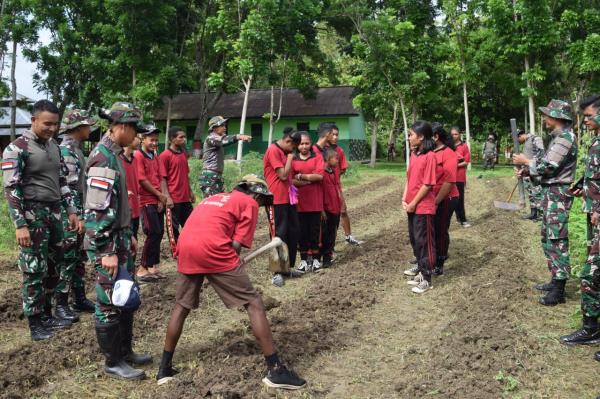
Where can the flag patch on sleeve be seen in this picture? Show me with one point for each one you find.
(101, 184)
(8, 165)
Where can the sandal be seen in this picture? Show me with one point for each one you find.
(147, 278)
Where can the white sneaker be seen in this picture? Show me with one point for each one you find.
(353, 241)
(413, 271)
(466, 224)
(316, 266)
(416, 280)
(422, 287)
(303, 267)
(277, 280)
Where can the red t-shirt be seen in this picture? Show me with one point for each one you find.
(464, 155)
(274, 159)
(204, 244)
(332, 201)
(133, 186)
(445, 170)
(174, 168)
(421, 171)
(310, 197)
(147, 169)
(342, 161)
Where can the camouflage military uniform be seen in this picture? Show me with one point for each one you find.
(107, 221)
(533, 148)
(213, 159)
(34, 169)
(557, 170)
(489, 154)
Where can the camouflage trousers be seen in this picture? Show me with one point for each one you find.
(590, 277)
(106, 312)
(71, 271)
(211, 183)
(489, 160)
(535, 193)
(38, 261)
(556, 205)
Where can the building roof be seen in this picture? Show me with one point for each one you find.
(23, 120)
(329, 101)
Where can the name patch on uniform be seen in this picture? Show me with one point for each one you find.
(8, 165)
(101, 184)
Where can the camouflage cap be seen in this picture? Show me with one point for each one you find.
(147, 129)
(73, 118)
(216, 121)
(558, 109)
(254, 184)
(122, 112)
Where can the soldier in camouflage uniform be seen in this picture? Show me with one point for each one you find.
(108, 239)
(557, 170)
(590, 275)
(35, 188)
(490, 152)
(533, 148)
(75, 128)
(213, 157)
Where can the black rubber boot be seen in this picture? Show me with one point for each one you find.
(545, 286)
(38, 331)
(52, 323)
(63, 311)
(126, 326)
(109, 340)
(587, 335)
(556, 294)
(81, 303)
(439, 267)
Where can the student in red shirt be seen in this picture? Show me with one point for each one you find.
(464, 159)
(418, 201)
(308, 169)
(332, 206)
(446, 193)
(133, 186)
(209, 248)
(152, 204)
(174, 170)
(277, 167)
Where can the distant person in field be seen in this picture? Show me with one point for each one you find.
(133, 185)
(174, 170)
(533, 148)
(308, 169)
(464, 159)
(332, 206)
(490, 152)
(152, 204)
(418, 200)
(213, 155)
(391, 153)
(209, 248)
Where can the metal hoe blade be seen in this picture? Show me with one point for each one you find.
(508, 206)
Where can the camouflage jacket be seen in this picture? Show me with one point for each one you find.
(75, 160)
(34, 170)
(560, 161)
(106, 205)
(213, 155)
(489, 148)
(591, 178)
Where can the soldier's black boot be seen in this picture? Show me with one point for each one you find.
(532, 215)
(545, 286)
(52, 323)
(63, 310)
(109, 340)
(588, 334)
(126, 326)
(597, 356)
(439, 267)
(556, 295)
(38, 331)
(81, 303)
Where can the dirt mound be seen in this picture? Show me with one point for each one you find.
(371, 186)
(11, 306)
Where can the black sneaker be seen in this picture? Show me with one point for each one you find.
(165, 375)
(280, 377)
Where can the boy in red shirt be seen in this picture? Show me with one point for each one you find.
(464, 158)
(418, 201)
(308, 169)
(174, 170)
(133, 186)
(277, 167)
(209, 247)
(332, 206)
(152, 204)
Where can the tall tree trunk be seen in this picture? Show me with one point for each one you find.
(247, 85)
(13, 102)
(273, 121)
(168, 126)
(530, 99)
(2, 43)
(392, 138)
(133, 78)
(467, 125)
(406, 143)
(374, 143)
(526, 125)
(415, 113)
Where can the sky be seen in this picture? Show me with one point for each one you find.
(25, 70)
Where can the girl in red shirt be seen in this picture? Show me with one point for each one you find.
(446, 193)
(464, 158)
(133, 186)
(308, 169)
(418, 201)
(332, 206)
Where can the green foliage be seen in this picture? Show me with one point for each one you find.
(511, 384)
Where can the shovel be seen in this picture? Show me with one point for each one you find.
(509, 206)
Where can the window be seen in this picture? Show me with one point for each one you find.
(303, 126)
(256, 130)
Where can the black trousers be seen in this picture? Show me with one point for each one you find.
(460, 206)
(181, 212)
(329, 228)
(310, 233)
(422, 236)
(135, 226)
(443, 215)
(153, 225)
(287, 228)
